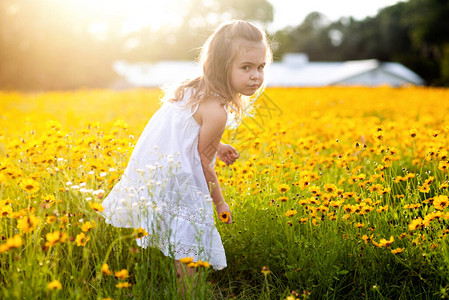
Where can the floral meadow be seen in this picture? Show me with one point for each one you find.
(339, 193)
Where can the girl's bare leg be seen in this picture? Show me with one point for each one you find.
(185, 277)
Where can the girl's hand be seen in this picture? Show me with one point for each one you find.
(227, 154)
(224, 213)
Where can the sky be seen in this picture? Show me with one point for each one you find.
(293, 12)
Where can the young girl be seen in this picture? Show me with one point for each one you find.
(169, 184)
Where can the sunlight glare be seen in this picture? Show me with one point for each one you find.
(131, 15)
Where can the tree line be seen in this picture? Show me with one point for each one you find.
(414, 33)
(46, 44)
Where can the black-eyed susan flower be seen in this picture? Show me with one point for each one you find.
(424, 188)
(302, 220)
(282, 199)
(81, 239)
(416, 223)
(330, 188)
(382, 208)
(5, 210)
(122, 285)
(366, 238)
(440, 202)
(29, 185)
(105, 269)
(54, 285)
(50, 219)
(192, 264)
(140, 232)
(122, 274)
(87, 226)
(186, 260)
(397, 250)
(28, 223)
(203, 264)
(413, 132)
(224, 217)
(432, 216)
(54, 238)
(290, 212)
(444, 185)
(11, 243)
(283, 188)
(315, 190)
(385, 243)
(96, 206)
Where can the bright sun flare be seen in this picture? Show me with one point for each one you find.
(131, 15)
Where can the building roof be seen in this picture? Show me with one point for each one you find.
(294, 70)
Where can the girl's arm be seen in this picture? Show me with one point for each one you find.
(213, 118)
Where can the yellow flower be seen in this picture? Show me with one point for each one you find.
(192, 264)
(224, 217)
(385, 243)
(290, 213)
(283, 188)
(5, 210)
(105, 269)
(444, 185)
(282, 198)
(96, 206)
(81, 239)
(443, 165)
(50, 219)
(140, 232)
(121, 285)
(86, 226)
(330, 188)
(303, 220)
(54, 285)
(28, 223)
(366, 238)
(186, 260)
(440, 202)
(397, 250)
(52, 238)
(122, 274)
(348, 208)
(14, 242)
(424, 188)
(359, 225)
(204, 264)
(413, 132)
(416, 223)
(430, 217)
(382, 208)
(30, 185)
(315, 190)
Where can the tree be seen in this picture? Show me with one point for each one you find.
(415, 33)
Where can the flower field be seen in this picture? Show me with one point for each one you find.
(339, 192)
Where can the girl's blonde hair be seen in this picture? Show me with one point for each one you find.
(217, 55)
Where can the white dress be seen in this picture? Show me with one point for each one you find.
(164, 191)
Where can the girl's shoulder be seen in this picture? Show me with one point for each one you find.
(212, 108)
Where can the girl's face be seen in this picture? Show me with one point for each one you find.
(247, 69)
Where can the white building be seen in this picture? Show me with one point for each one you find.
(294, 70)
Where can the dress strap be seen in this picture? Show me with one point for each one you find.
(196, 108)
